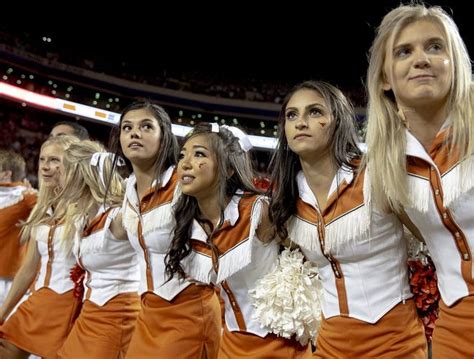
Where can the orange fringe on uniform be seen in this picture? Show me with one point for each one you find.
(453, 336)
(103, 332)
(398, 334)
(42, 323)
(236, 345)
(188, 327)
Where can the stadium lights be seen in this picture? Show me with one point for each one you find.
(99, 115)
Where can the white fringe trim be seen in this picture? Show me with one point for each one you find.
(198, 267)
(420, 193)
(160, 217)
(96, 241)
(10, 196)
(241, 255)
(347, 228)
(303, 233)
(130, 219)
(458, 181)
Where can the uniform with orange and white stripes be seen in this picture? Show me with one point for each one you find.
(41, 323)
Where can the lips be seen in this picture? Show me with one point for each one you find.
(135, 145)
(422, 77)
(301, 136)
(186, 179)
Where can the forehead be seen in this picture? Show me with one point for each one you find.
(139, 115)
(52, 149)
(305, 96)
(198, 140)
(419, 30)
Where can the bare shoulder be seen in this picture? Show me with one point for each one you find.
(117, 228)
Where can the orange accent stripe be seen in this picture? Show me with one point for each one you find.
(100, 114)
(96, 224)
(47, 277)
(314, 216)
(235, 307)
(457, 234)
(342, 295)
(146, 254)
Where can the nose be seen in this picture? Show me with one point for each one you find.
(301, 123)
(185, 163)
(422, 59)
(135, 132)
(44, 166)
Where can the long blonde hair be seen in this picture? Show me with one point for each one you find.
(386, 138)
(47, 197)
(86, 188)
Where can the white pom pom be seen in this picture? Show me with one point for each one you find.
(287, 300)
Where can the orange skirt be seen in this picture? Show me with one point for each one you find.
(42, 323)
(453, 336)
(237, 345)
(103, 332)
(398, 334)
(189, 326)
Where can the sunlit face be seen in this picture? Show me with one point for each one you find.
(307, 120)
(140, 137)
(418, 67)
(51, 165)
(62, 130)
(197, 168)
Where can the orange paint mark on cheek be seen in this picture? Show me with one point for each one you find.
(323, 124)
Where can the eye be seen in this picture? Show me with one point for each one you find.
(435, 47)
(402, 52)
(126, 128)
(147, 126)
(199, 154)
(180, 156)
(291, 115)
(315, 112)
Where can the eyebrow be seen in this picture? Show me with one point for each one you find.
(139, 121)
(317, 104)
(431, 39)
(196, 147)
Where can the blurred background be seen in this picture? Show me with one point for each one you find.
(231, 65)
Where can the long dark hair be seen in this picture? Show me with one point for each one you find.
(286, 164)
(230, 157)
(167, 153)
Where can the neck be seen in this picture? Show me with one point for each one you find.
(425, 122)
(318, 171)
(210, 209)
(145, 177)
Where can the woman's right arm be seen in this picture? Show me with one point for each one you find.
(22, 280)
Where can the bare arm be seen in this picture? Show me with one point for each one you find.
(22, 280)
(117, 229)
(265, 230)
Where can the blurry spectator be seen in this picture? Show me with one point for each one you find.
(69, 128)
(16, 201)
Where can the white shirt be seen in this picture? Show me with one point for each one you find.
(365, 248)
